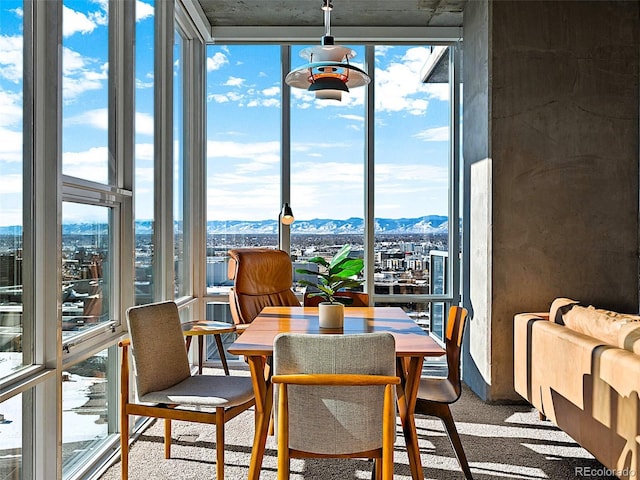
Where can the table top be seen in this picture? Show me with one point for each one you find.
(207, 327)
(411, 340)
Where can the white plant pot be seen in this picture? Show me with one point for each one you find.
(331, 315)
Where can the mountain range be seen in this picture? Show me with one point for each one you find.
(433, 224)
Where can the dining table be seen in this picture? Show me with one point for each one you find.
(413, 344)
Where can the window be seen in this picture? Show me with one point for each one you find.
(327, 171)
(85, 97)
(412, 181)
(407, 140)
(88, 418)
(243, 153)
(15, 349)
(11, 416)
(87, 259)
(144, 154)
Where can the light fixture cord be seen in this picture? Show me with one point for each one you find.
(326, 6)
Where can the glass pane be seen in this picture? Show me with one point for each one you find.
(243, 153)
(85, 97)
(11, 438)
(144, 152)
(412, 162)
(327, 170)
(85, 417)
(11, 165)
(182, 287)
(86, 264)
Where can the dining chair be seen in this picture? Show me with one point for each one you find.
(335, 398)
(435, 394)
(165, 387)
(360, 299)
(262, 278)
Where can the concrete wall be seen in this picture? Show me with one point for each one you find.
(551, 151)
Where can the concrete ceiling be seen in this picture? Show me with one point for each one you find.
(346, 13)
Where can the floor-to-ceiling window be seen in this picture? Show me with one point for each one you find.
(413, 183)
(327, 169)
(243, 153)
(16, 348)
(405, 140)
(96, 200)
(144, 152)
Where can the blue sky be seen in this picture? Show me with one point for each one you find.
(243, 126)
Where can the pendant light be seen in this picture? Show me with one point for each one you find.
(328, 72)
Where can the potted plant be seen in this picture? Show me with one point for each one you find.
(338, 274)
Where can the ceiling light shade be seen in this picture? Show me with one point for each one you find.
(286, 215)
(328, 72)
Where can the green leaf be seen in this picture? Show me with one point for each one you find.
(348, 267)
(341, 255)
(304, 271)
(319, 261)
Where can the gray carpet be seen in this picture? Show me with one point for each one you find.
(501, 441)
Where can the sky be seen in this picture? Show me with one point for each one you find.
(243, 126)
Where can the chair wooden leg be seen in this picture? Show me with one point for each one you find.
(283, 434)
(167, 438)
(220, 443)
(376, 473)
(124, 446)
(454, 438)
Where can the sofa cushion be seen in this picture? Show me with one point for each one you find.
(604, 325)
(629, 337)
(559, 308)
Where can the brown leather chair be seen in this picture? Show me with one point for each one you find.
(262, 278)
(359, 299)
(435, 394)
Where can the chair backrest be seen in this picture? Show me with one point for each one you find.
(262, 278)
(453, 344)
(334, 420)
(360, 299)
(158, 347)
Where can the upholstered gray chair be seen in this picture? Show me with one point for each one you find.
(335, 398)
(165, 387)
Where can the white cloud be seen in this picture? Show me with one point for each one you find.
(11, 183)
(10, 147)
(144, 151)
(271, 91)
(267, 102)
(216, 61)
(234, 82)
(144, 123)
(218, 98)
(399, 88)
(97, 118)
(76, 22)
(257, 152)
(439, 91)
(89, 164)
(357, 118)
(436, 134)
(81, 74)
(11, 58)
(143, 10)
(10, 108)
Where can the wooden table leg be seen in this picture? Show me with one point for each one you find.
(407, 395)
(223, 356)
(263, 390)
(200, 353)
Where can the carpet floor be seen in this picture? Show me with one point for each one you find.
(501, 441)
